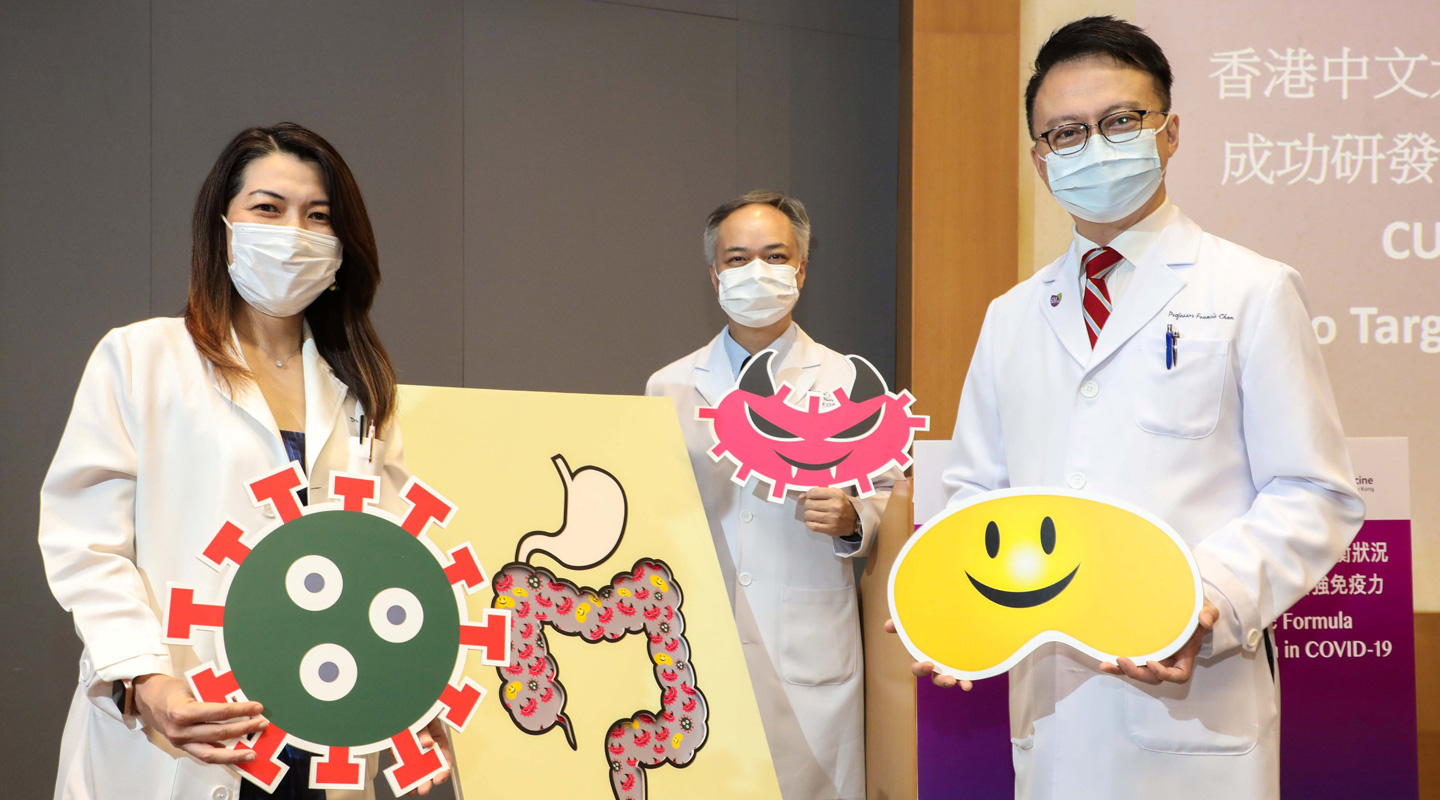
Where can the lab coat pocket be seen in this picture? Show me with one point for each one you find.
(819, 636)
(364, 461)
(1183, 401)
(1216, 713)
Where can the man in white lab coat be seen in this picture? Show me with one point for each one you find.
(1160, 365)
(787, 565)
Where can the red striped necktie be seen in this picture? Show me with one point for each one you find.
(1098, 263)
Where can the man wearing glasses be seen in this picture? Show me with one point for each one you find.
(1160, 365)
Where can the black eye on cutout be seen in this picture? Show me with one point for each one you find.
(769, 428)
(992, 539)
(1047, 535)
(860, 429)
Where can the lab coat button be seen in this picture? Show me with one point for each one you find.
(1090, 389)
(1077, 481)
(85, 672)
(269, 511)
(1253, 637)
(746, 516)
(745, 579)
(220, 793)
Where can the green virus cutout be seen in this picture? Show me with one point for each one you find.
(349, 626)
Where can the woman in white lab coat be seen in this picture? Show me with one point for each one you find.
(274, 361)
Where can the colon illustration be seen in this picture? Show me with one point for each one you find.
(644, 600)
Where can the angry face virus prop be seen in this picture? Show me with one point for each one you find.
(644, 600)
(795, 443)
(347, 624)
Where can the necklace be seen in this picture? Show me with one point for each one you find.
(280, 362)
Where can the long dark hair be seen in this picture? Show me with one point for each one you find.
(339, 320)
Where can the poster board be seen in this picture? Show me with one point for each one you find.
(491, 453)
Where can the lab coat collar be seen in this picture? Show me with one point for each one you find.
(323, 395)
(796, 356)
(1154, 283)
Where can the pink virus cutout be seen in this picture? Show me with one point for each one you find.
(644, 601)
(816, 441)
(348, 625)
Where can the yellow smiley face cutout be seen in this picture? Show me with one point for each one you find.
(977, 589)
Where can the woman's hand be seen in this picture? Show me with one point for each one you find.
(434, 734)
(166, 705)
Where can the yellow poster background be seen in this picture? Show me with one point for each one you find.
(489, 452)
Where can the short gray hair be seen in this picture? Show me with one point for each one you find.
(791, 207)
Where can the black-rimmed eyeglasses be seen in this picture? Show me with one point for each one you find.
(1117, 128)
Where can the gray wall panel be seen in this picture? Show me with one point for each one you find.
(74, 262)
(764, 124)
(380, 80)
(877, 19)
(597, 138)
(844, 160)
(710, 8)
(833, 103)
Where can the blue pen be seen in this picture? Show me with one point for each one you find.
(1169, 347)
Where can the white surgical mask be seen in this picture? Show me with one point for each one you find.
(758, 294)
(1106, 181)
(278, 269)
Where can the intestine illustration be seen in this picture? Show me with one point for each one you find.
(644, 600)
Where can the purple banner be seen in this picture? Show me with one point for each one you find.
(1347, 670)
(963, 741)
(1347, 692)
(1346, 658)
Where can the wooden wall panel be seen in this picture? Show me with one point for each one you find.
(957, 250)
(960, 247)
(1427, 702)
(890, 769)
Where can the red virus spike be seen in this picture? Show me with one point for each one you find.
(226, 546)
(280, 491)
(355, 490)
(210, 687)
(492, 637)
(266, 770)
(338, 770)
(426, 506)
(814, 404)
(413, 766)
(704, 413)
(460, 703)
(183, 614)
(465, 569)
(864, 484)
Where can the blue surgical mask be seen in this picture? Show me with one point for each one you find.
(1106, 182)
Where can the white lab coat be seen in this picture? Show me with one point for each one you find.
(1239, 448)
(154, 458)
(792, 590)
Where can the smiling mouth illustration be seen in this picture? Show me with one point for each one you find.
(1028, 599)
(813, 467)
